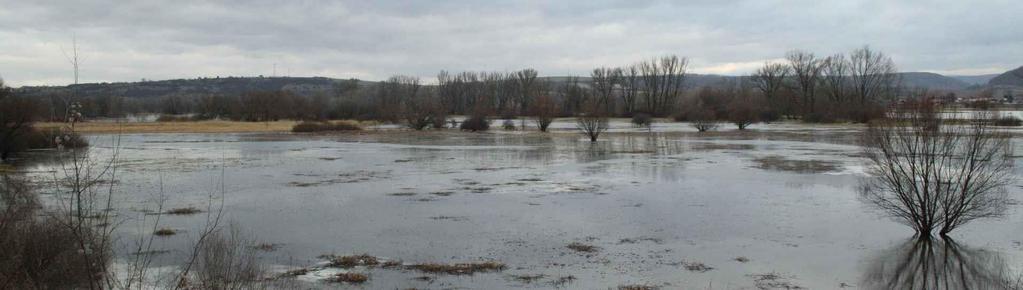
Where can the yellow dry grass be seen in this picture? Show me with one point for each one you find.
(178, 127)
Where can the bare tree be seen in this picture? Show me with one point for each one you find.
(527, 86)
(663, 82)
(806, 68)
(573, 96)
(630, 88)
(593, 121)
(605, 80)
(743, 111)
(415, 102)
(770, 79)
(544, 109)
(930, 174)
(874, 79)
(835, 78)
(703, 119)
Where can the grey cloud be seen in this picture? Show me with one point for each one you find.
(129, 40)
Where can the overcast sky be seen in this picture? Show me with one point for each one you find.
(373, 39)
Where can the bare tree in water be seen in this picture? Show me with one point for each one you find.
(544, 108)
(593, 121)
(935, 175)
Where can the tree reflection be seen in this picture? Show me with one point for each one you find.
(937, 264)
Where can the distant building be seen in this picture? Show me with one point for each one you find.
(1008, 94)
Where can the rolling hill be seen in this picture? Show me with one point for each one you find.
(1009, 78)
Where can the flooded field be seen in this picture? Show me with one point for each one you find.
(772, 208)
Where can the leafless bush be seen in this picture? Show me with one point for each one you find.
(475, 123)
(593, 122)
(40, 252)
(47, 138)
(929, 174)
(544, 109)
(228, 260)
(642, 120)
(703, 120)
(743, 113)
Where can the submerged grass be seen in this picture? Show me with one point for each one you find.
(528, 278)
(165, 232)
(459, 268)
(580, 247)
(638, 287)
(780, 163)
(353, 260)
(354, 278)
(183, 211)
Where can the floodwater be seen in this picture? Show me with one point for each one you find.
(770, 208)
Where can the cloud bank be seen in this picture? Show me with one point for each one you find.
(132, 40)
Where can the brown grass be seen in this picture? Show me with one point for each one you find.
(391, 264)
(458, 269)
(528, 278)
(308, 127)
(355, 278)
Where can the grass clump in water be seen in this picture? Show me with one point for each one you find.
(165, 232)
(183, 211)
(354, 260)
(638, 287)
(580, 247)
(354, 278)
(458, 269)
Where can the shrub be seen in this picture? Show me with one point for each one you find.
(439, 122)
(642, 119)
(475, 123)
(307, 126)
(544, 109)
(39, 250)
(1008, 121)
(508, 124)
(48, 138)
(228, 260)
(593, 121)
(742, 113)
(175, 118)
(703, 120)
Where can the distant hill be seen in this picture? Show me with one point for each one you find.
(975, 80)
(200, 86)
(1009, 78)
(932, 81)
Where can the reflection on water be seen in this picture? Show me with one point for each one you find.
(938, 264)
